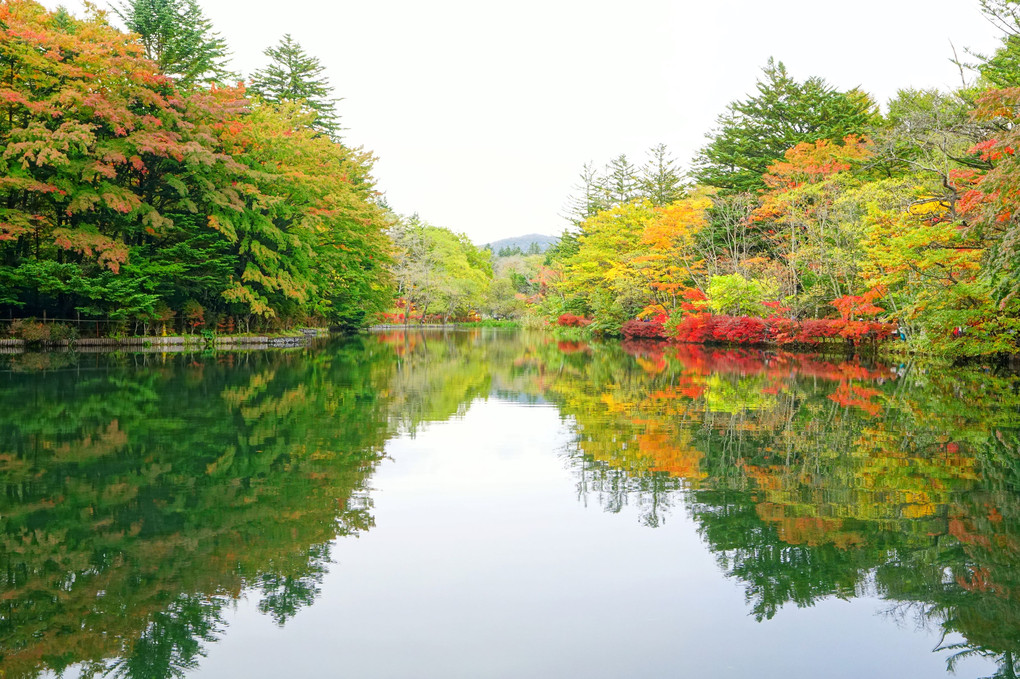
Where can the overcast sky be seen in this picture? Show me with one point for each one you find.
(481, 114)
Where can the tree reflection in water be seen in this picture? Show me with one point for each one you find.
(144, 493)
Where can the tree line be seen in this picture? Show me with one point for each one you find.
(812, 215)
(811, 202)
(147, 189)
(141, 184)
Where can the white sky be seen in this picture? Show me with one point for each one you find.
(481, 114)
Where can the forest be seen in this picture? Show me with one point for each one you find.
(146, 187)
(814, 216)
(811, 217)
(144, 184)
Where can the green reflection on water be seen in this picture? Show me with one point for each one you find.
(143, 493)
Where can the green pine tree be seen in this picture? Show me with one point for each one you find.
(179, 38)
(660, 181)
(294, 76)
(589, 197)
(1002, 67)
(621, 180)
(756, 132)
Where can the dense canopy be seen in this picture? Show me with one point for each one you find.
(135, 194)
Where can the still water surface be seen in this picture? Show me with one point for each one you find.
(495, 504)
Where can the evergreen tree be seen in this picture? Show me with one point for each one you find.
(589, 197)
(1002, 68)
(292, 75)
(566, 246)
(756, 132)
(179, 38)
(621, 180)
(660, 182)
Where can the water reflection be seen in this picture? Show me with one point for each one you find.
(143, 494)
(138, 501)
(813, 478)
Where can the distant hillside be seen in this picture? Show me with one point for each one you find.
(524, 243)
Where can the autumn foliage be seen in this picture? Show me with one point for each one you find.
(707, 328)
(643, 330)
(124, 194)
(572, 321)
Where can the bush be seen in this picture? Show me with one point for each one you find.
(60, 332)
(866, 331)
(37, 332)
(643, 330)
(572, 321)
(703, 328)
(30, 330)
(533, 321)
(783, 330)
(815, 330)
(740, 330)
(391, 318)
(194, 315)
(694, 328)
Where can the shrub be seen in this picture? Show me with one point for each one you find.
(815, 330)
(391, 318)
(533, 321)
(694, 328)
(643, 330)
(703, 328)
(572, 321)
(740, 329)
(783, 330)
(60, 332)
(194, 315)
(226, 326)
(30, 330)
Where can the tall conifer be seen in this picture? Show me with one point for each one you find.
(179, 38)
(294, 76)
(660, 181)
(756, 132)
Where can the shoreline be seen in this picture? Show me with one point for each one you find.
(175, 343)
(194, 343)
(185, 343)
(443, 326)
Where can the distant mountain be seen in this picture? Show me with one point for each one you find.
(524, 243)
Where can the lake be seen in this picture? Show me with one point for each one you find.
(491, 503)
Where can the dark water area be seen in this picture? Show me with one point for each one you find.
(492, 503)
